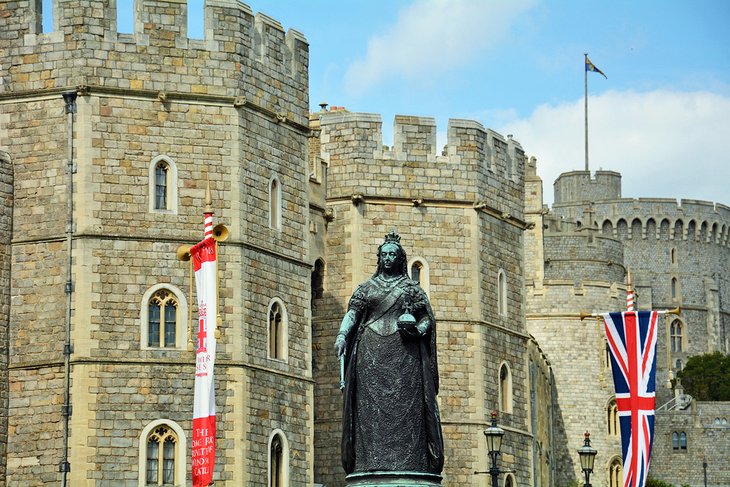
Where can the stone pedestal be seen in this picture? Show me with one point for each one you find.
(393, 479)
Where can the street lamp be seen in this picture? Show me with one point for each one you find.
(494, 436)
(587, 457)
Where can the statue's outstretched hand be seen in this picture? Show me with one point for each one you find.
(340, 344)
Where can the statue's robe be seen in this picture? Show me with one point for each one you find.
(390, 417)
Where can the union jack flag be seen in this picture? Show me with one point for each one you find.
(632, 340)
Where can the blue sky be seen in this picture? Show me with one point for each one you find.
(662, 117)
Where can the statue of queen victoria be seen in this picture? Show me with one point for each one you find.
(387, 340)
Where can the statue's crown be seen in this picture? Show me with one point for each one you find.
(392, 237)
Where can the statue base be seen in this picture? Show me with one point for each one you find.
(393, 479)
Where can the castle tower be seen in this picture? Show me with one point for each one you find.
(678, 255)
(150, 116)
(460, 215)
(572, 270)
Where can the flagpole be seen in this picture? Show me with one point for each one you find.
(585, 79)
(674, 311)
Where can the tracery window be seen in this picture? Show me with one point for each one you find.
(162, 185)
(676, 336)
(161, 450)
(162, 321)
(163, 318)
(162, 453)
(278, 460)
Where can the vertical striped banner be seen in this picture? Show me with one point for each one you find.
(203, 255)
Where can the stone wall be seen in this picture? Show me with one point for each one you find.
(6, 225)
(231, 109)
(707, 429)
(461, 214)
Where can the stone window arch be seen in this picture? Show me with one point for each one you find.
(704, 236)
(278, 459)
(676, 335)
(635, 228)
(607, 228)
(509, 480)
(317, 283)
(612, 417)
(278, 330)
(419, 271)
(674, 288)
(622, 229)
(692, 230)
(162, 454)
(650, 229)
(163, 318)
(163, 185)
(615, 473)
(502, 293)
(664, 233)
(679, 230)
(505, 388)
(275, 202)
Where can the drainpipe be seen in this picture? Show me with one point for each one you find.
(70, 98)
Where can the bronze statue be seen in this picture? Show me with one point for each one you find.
(388, 341)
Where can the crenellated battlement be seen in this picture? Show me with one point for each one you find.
(477, 165)
(642, 218)
(239, 57)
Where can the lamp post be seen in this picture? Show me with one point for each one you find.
(494, 436)
(587, 457)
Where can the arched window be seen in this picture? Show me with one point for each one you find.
(612, 416)
(317, 282)
(682, 440)
(607, 356)
(615, 473)
(163, 318)
(505, 389)
(675, 441)
(163, 185)
(675, 288)
(416, 268)
(274, 203)
(278, 460)
(509, 480)
(607, 228)
(678, 365)
(502, 293)
(675, 336)
(278, 330)
(419, 272)
(162, 454)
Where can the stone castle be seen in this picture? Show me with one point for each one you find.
(107, 141)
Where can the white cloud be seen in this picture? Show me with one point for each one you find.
(431, 37)
(665, 144)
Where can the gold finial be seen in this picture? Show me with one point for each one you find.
(628, 279)
(208, 199)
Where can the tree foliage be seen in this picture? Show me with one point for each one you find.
(652, 482)
(707, 377)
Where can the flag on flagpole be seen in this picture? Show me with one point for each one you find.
(592, 67)
(632, 339)
(203, 255)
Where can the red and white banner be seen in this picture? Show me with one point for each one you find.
(203, 255)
